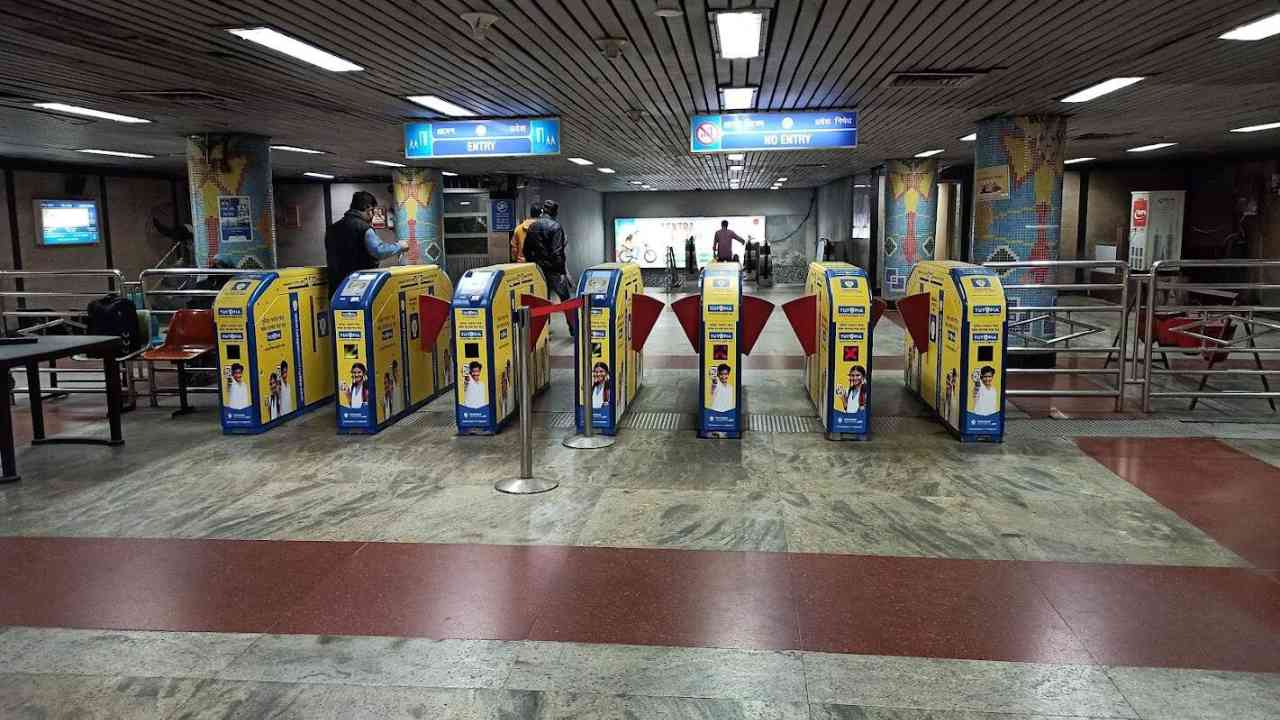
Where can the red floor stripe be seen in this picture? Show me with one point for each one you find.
(1214, 618)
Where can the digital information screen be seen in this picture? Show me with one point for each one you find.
(644, 241)
(67, 222)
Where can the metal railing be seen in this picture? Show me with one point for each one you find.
(1212, 327)
(151, 286)
(1077, 328)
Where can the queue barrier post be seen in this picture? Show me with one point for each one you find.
(587, 439)
(525, 483)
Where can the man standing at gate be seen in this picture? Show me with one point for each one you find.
(722, 246)
(351, 245)
(544, 245)
(518, 235)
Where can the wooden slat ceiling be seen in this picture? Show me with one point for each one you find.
(543, 57)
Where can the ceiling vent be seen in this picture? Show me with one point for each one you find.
(927, 79)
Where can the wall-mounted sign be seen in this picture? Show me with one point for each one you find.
(502, 215)
(991, 183)
(482, 138)
(379, 218)
(774, 131)
(645, 241)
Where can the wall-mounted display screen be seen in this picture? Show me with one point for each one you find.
(644, 241)
(66, 222)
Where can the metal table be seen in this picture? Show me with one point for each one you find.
(52, 347)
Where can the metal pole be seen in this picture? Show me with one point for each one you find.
(526, 483)
(1149, 315)
(1123, 343)
(587, 439)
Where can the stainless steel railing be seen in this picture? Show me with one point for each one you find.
(1256, 319)
(154, 292)
(1077, 328)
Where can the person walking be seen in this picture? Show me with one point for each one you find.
(722, 246)
(351, 245)
(544, 245)
(518, 235)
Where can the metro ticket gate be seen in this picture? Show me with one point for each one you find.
(722, 324)
(835, 321)
(957, 327)
(621, 317)
(387, 368)
(275, 356)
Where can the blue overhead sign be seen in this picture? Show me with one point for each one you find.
(482, 138)
(774, 131)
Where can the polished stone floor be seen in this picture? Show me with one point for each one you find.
(1129, 569)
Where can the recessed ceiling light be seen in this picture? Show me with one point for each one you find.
(580, 161)
(736, 157)
(971, 137)
(736, 168)
(647, 187)
(739, 34)
(385, 163)
(465, 203)
(304, 151)
(295, 48)
(606, 171)
(89, 112)
(115, 153)
(1073, 161)
(1256, 30)
(446, 173)
(1102, 88)
(1148, 148)
(930, 153)
(861, 185)
(668, 9)
(781, 180)
(322, 176)
(635, 182)
(737, 98)
(440, 105)
(1257, 128)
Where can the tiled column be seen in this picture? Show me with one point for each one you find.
(1017, 212)
(910, 213)
(232, 211)
(420, 214)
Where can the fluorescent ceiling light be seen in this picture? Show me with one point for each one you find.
(647, 187)
(322, 176)
(440, 105)
(1256, 30)
(1148, 148)
(1102, 88)
(736, 168)
(580, 161)
(465, 203)
(295, 48)
(781, 180)
(1073, 161)
(89, 112)
(115, 153)
(861, 185)
(385, 163)
(607, 171)
(930, 153)
(1257, 128)
(736, 157)
(304, 151)
(446, 173)
(635, 182)
(971, 137)
(739, 34)
(737, 98)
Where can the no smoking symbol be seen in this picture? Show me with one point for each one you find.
(707, 133)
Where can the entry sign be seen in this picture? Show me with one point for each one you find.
(482, 138)
(774, 131)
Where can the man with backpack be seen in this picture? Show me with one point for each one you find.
(544, 245)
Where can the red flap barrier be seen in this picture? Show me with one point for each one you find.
(433, 314)
(915, 315)
(755, 313)
(878, 306)
(644, 315)
(802, 313)
(688, 311)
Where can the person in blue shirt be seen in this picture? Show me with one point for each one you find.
(351, 245)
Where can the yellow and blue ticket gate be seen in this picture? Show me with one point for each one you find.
(384, 372)
(837, 368)
(275, 356)
(484, 341)
(617, 367)
(956, 315)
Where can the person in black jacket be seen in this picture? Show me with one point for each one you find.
(544, 245)
(351, 245)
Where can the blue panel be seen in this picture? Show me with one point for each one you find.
(482, 138)
(774, 131)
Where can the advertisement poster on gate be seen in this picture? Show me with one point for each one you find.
(354, 393)
(983, 391)
(721, 383)
(851, 353)
(645, 241)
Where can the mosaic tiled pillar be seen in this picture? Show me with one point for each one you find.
(910, 214)
(1017, 212)
(420, 214)
(232, 211)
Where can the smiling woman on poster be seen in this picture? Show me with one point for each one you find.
(355, 394)
(853, 398)
(599, 386)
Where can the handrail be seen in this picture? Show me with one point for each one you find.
(1243, 315)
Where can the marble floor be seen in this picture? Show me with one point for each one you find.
(1094, 565)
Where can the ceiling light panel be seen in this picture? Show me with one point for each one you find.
(971, 137)
(1073, 161)
(295, 48)
(1256, 30)
(739, 34)
(1257, 128)
(385, 163)
(1153, 146)
(322, 176)
(115, 153)
(737, 98)
(581, 161)
(440, 105)
(89, 112)
(1102, 88)
(293, 149)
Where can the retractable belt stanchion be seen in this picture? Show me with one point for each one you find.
(587, 440)
(526, 483)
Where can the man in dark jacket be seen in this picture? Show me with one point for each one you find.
(351, 245)
(544, 245)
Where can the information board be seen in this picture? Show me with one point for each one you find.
(482, 138)
(736, 132)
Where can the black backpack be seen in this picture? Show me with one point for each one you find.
(115, 315)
